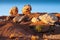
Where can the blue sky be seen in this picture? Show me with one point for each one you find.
(37, 5)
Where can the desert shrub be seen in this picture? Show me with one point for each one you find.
(39, 28)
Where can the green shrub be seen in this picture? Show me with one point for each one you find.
(39, 28)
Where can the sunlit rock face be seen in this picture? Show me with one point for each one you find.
(13, 11)
(35, 19)
(18, 18)
(48, 19)
(26, 9)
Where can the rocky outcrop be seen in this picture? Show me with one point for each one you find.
(14, 11)
(26, 9)
(20, 31)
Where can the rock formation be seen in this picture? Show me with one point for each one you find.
(20, 31)
(14, 11)
(26, 9)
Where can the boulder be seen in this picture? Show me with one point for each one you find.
(18, 18)
(34, 19)
(13, 11)
(48, 18)
(26, 9)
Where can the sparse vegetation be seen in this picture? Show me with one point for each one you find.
(39, 28)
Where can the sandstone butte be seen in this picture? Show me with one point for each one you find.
(22, 31)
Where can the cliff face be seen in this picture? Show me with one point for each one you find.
(9, 29)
